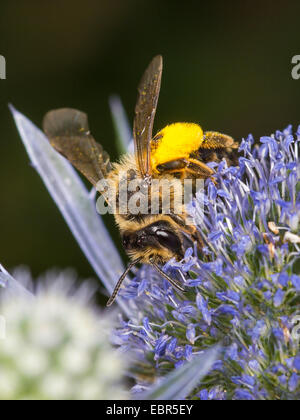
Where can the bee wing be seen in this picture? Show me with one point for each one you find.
(145, 110)
(68, 132)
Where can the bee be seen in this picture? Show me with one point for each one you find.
(177, 152)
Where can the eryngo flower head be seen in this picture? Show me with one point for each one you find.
(56, 345)
(242, 292)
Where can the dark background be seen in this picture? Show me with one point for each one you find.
(227, 65)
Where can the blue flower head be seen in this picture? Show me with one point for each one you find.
(242, 291)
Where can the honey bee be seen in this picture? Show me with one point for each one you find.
(177, 152)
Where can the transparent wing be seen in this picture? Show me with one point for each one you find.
(68, 132)
(148, 93)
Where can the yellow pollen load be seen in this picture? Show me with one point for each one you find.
(178, 141)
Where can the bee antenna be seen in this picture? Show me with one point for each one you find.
(120, 281)
(162, 273)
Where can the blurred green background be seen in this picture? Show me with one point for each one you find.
(227, 65)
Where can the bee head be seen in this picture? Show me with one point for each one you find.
(159, 237)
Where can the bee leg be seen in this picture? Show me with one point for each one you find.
(163, 274)
(196, 236)
(199, 241)
(183, 167)
(199, 169)
(213, 179)
(173, 166)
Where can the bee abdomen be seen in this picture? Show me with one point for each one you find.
(216, 155)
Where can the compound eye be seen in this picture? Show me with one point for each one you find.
(168, 240)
